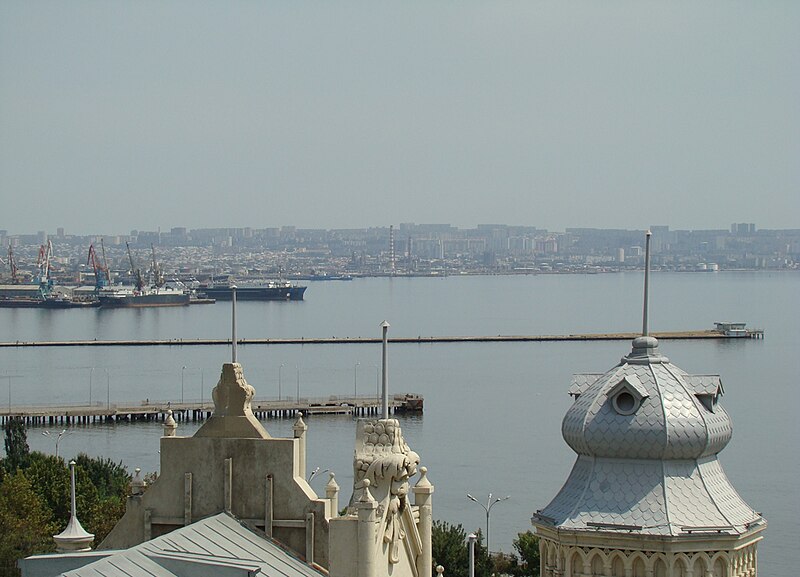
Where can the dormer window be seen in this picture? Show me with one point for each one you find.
(627, 395)
(707, 389)
(708, 401)
(625, 403)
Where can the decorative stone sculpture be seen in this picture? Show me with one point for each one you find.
(233, 416)
(383, 458)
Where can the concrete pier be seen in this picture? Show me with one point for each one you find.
(63, 415)
(675, 335)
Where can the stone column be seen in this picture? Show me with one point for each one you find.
(422, 499)
(300, 429)
(332, 494)
(367, 508)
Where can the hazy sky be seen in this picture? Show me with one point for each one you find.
(118, 115)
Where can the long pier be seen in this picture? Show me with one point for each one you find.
(147, 410)
(675, 335)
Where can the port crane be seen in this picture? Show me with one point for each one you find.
(134, 270)
(158, 277)
(101, 274)
(12, 264)
(43, 261)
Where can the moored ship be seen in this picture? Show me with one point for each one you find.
(157, 294)
(128, 296)
(268, 291)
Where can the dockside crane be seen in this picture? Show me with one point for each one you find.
(134, 270)
(158, 277)
(12, 264)
(43, 264)
(102, 277)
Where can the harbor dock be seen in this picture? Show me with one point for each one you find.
(675, 335)
(148, 410)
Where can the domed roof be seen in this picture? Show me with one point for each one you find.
(647, 436)
(647, 408)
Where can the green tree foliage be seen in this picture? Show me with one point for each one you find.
(101, 488)
(25, 526)
(111, 482)
(109, 478)
(49, 478)
(43, 485)
(527, 546)
(451, 551)
(16, 442)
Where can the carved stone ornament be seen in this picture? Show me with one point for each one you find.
(233, 416)
(383, 458)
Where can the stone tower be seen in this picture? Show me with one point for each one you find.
(647, 496)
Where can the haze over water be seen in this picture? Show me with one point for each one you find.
(492, 420)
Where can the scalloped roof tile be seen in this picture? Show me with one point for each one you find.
(656, 467)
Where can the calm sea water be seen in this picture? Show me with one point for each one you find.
(493, 411)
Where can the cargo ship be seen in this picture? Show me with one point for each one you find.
(128, 296)
(268, 291)
(155, 294)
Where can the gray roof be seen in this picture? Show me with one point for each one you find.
(647, 436)
(217, 545)
(669, 422)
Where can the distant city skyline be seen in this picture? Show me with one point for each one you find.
(749, 225)
(204, 114)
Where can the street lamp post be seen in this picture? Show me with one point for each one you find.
(385, 371)
(471, 538)
(183, 371)
(488, 508)
(280, 393)
(108, 390)
(58, 437)
(91, 372)
(9, 377)
(202, 388)
(298, 383)
(355, 379)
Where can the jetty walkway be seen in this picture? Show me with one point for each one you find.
(676, 335)
(149, 410)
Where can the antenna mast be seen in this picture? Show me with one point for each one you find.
(385, 375)
(645, 327)
(233, 323)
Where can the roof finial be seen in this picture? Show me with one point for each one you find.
(233, 323)
(385, 377)
(645, 327)
(73, 537)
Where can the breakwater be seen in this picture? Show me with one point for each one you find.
(674, 335)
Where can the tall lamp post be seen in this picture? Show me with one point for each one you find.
(91, 372)
(355, 379)
(108, 390)
(471, 539)
(183, 371)
(488, 508)
(298, 383)
(9, 377)
(280, 394)
(58, 437)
